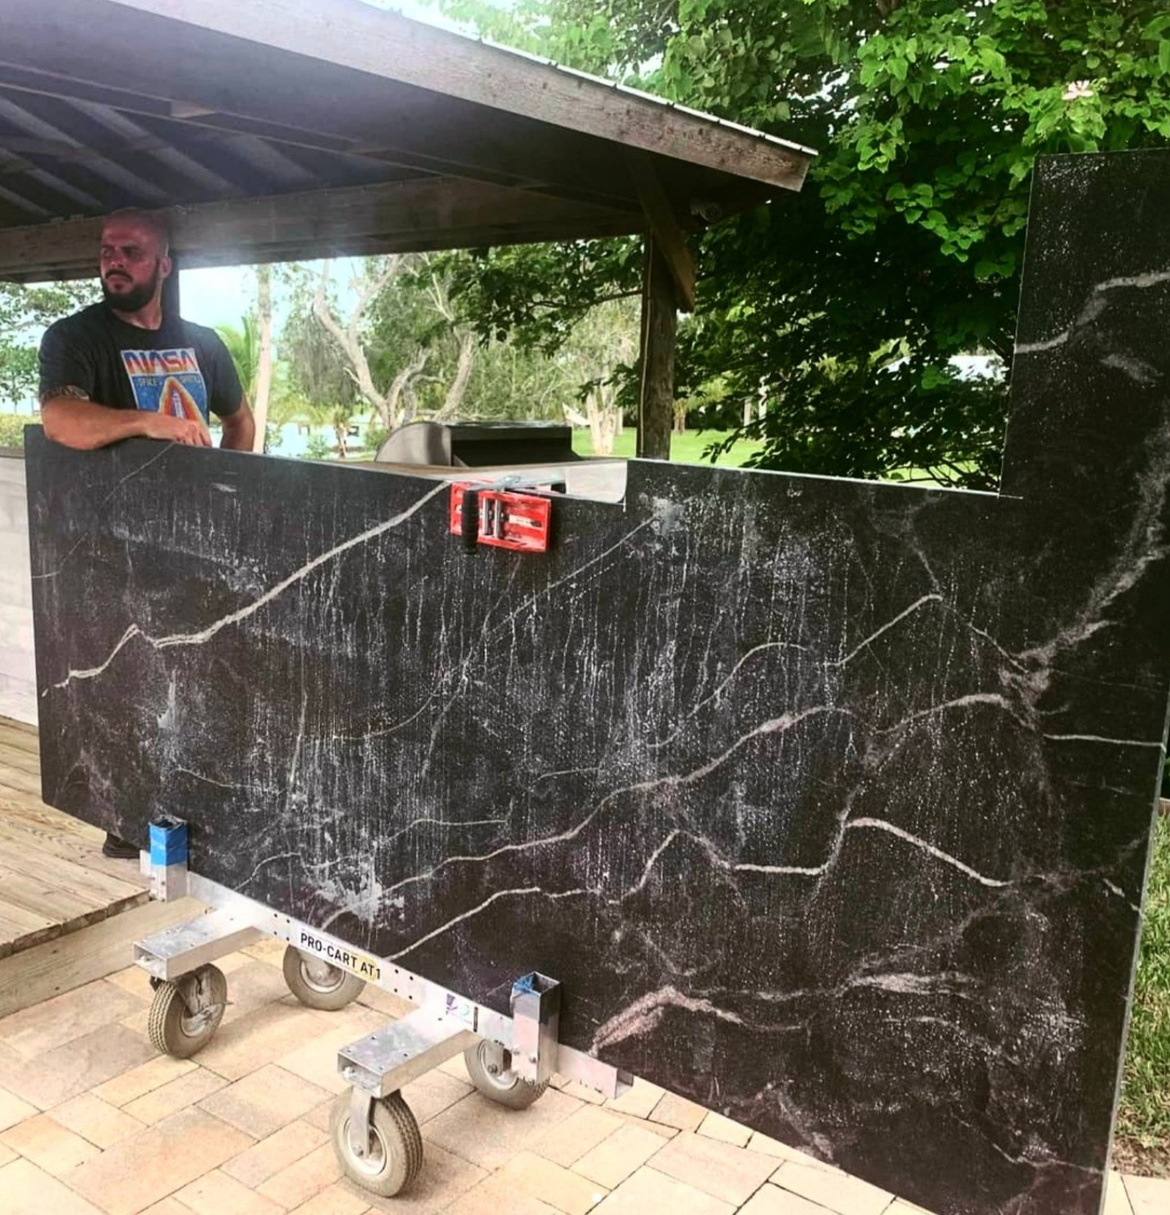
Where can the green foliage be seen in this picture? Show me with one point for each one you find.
(317, 447)
(316, 368)
(845, 305)
(24, 312)
(536, 295)
(12, 428)
(691, 448)
(243, 344)
(1144, 1117)
(409, 322)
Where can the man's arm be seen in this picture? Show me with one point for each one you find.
(71, 418)
(239, 428)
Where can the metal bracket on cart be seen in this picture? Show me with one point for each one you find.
(510, 1057)
(511, 1060)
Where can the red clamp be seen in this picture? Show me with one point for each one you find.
(501, 518)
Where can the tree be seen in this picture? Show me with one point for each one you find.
(243, 344)
(262, 387)
(843, 308)
(400, 327)
(250, 346)
(603, 348)
(24, 312)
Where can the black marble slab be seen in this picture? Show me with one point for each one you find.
(828, 802)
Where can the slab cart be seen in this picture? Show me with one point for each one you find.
(510, 1058)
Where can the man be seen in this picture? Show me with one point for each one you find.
(122, 367)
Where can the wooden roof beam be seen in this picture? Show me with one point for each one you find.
(412, 149)
(429, 213)
(43, 139)
(351, 34)
(669, 238)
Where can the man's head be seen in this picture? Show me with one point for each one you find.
(134, 258)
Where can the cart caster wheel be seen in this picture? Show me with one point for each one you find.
(186, 1012)
(317, 984)
(395, 1154)
(490, 1067)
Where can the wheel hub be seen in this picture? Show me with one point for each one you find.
(321, 975)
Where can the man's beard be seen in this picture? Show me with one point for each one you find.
(136, 297)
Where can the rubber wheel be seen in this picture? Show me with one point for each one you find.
(504, 1087)
(317, 984)
(396, 1146)
(172, 1028)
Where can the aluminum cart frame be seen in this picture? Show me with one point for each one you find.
(511, 1058)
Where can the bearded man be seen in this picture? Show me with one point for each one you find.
(122, 368)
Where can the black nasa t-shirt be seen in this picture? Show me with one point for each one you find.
(180, 368)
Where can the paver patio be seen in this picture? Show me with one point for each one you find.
(93, 1122)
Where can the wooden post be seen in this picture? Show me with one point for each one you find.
(659, 339)
(170, 289)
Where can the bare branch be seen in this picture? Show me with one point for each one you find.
(467, 348)
(403, 386)
(349, 341)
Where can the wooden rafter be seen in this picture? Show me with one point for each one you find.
(467, 148)
(351, 34)
(429, 213)
(669, 238)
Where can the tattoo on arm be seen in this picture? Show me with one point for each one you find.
(69, 391)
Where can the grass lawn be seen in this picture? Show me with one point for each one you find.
(1143, 1125)
(684, 449)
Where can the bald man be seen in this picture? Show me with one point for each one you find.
(122, 368)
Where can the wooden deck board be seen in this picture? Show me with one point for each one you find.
(21, 759)
(17, 734)
(53, 877)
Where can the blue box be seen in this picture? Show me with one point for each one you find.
(168, 841)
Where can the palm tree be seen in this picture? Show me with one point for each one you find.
(251, 349)
(243, 343)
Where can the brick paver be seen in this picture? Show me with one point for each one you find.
(1147, 1196)
(489, 1135)
(622, 1153)
(334, 1200)
(13, 1109)
(98, 1121)
(648, 1190)
(28, 1190)
(265, 1159)
(48, 1145)
(716, 1126)
(678, 1112)
(835, 1190)
(144, 1168)
(216, 1193)
(92, 1122)
(263, 1102)
(138, 1081)
(725, 1172)
(580, 1132)
(528, 1173)
(771, 1200)
(184, 1091)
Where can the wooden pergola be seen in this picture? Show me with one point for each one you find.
(274, 130)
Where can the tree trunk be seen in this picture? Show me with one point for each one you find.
(264, 357)
(458, 388)
(601, 407)
(402, 389)
(349, 337)
(659, 339)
